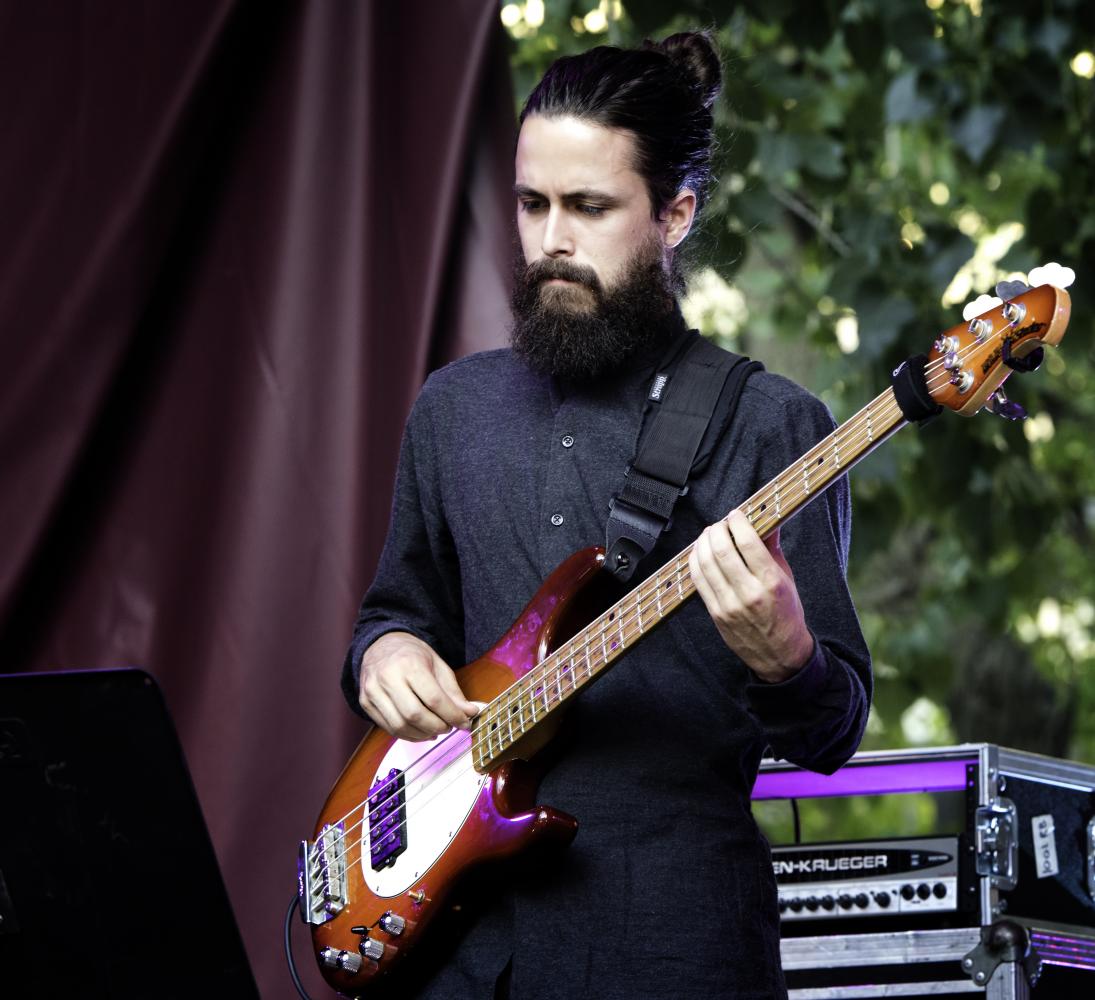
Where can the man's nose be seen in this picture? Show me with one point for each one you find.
(558, 240)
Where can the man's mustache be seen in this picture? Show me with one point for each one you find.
(548, 268)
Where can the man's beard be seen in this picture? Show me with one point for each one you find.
(581, 331)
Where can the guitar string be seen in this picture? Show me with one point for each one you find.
(885, 408)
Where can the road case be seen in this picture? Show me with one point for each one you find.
(1003, 906)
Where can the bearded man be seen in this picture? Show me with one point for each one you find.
(509, 462)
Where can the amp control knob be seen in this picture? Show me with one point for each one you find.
(844, 901)
(923, 890)
(882, 899)
(811, 903)
(907, 892)
(939, 890)
(862, 900)
(827, 902)
(796, 904)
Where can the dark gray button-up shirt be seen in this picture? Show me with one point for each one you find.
(667, 890)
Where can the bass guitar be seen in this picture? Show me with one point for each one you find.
(405, 821)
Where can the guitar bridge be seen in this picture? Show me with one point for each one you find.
(387, 820)
(321, 876)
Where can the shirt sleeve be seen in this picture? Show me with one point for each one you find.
(417, 584)
(816, 718)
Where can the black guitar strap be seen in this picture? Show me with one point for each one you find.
(691, 402)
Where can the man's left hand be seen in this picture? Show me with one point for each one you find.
(750, 593)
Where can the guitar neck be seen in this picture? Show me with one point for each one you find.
(589, 653)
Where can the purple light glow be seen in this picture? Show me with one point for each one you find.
(864, 779)
(1059, 949)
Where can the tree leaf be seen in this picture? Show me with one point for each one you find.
(976, 130)
(904, 103)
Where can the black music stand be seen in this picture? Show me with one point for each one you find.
(108, 882)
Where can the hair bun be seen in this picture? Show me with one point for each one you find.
(694, 55)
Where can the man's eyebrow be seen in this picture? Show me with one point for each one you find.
(581, 194)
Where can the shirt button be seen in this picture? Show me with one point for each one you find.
(556, 519)
(568, 440)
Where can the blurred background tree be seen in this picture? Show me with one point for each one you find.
(881, 163)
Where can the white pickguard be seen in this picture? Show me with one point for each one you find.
(441, 787)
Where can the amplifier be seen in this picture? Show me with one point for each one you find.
(869, 878)
(1024, 843)
(1000, 890)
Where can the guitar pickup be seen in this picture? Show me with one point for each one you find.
(321, 876)
(387, 820)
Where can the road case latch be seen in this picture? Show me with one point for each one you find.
(998, 842)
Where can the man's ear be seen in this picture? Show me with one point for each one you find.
(677, 218)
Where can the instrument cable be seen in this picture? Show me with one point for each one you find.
(289, 949)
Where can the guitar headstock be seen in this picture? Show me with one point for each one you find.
(966, 365)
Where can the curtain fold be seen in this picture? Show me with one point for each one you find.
(235, 238)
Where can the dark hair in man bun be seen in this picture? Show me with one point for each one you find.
(695, 58)
(662, 93)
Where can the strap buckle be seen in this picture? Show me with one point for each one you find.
(633, 530)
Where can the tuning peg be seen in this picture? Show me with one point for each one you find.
(1008, 290)
(1052, 274)
(981, 304)
(1006, 408)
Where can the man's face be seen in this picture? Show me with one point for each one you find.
(591, 285)
(580, 202)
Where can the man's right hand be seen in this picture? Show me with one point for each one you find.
(409, 691)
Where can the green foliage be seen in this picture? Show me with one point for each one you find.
(867, 148)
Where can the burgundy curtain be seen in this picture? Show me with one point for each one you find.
(234, 237)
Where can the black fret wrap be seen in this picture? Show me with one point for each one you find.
(910, 389)
(669, 449)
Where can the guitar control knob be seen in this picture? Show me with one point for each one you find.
(347, 961)
(392, 923)
(371, 948)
